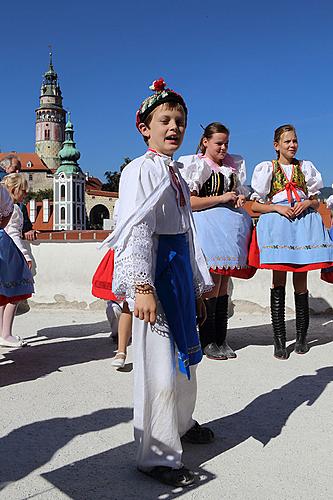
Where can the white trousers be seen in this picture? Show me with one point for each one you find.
(164, 399)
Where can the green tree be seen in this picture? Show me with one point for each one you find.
(40, 195)
(113, 178)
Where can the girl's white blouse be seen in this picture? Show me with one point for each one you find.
(196, 172)
(6, 203)
(329, 202)
(262, 179)
(14, 230)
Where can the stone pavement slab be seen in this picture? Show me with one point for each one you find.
(66, 416)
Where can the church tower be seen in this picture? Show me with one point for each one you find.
(50, 119)
(69, 186)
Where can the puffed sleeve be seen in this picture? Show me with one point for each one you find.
(261, 181)
(195, 171)
(6, 203)
(239, 163)
(313, 178)
(329, 202)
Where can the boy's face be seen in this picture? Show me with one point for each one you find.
(166, 130)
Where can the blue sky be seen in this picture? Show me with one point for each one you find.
(251, 65)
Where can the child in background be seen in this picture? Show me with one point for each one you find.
(217, 181)
(327, 274)
(290, 233)
(117, 312)
(16, 282)
(157, 270)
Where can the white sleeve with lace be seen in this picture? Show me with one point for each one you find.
(134, 262)
(6, 203)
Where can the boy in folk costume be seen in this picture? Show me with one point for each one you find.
(157, 268)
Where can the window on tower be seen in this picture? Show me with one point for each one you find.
(62, 192)
(47, 134)
(62, 215)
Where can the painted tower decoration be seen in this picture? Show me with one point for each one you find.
(69, 186)
(50, 119)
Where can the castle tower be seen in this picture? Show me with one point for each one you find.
(50, 119)
(69, 186)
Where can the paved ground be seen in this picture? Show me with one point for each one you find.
(66, 416)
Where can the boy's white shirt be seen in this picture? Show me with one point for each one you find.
(142, 184)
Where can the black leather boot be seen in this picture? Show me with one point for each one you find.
(221, 320)
(278, 321)
(207, 331)
(302, 322)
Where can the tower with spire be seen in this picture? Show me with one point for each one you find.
(69, 186)
(50, 119)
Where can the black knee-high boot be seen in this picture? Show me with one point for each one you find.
(302, 322)
(222, 326)
(278, 321)
(208, 331)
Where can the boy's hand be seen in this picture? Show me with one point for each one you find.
(285, 211)
(201, 311)
(145, 307)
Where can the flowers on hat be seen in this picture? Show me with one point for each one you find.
(158, 85)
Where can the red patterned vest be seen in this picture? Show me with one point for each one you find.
(281, 183)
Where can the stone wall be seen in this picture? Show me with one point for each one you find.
(65, 264)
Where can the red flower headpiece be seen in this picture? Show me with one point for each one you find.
(158, 85)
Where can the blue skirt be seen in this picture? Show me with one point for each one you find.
(175, 290)
(15, 276)
(224, 234)
(300, 241)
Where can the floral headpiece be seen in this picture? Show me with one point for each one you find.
(161, 95)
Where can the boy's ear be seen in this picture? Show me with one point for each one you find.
(144, 130)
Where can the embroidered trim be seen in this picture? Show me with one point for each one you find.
(295, 247)
(14, 284)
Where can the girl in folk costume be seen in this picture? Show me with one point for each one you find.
(217, 181)
(16, 282)
(327, 274)
(290, 233)
(157, 268)
(102, 288)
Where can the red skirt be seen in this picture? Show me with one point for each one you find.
(254, 260)
(12, 300)
(102, 279)
(243, 273)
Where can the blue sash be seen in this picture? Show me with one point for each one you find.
(175, 290)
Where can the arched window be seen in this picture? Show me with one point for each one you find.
(62, 192)
(62, 215)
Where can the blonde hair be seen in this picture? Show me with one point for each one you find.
(15, 184)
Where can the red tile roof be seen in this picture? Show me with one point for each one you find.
(99, 192)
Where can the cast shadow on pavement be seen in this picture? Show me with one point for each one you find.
(112, 474)
(74, 330)
(41, 359)
(320, 333)
(29, 447)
